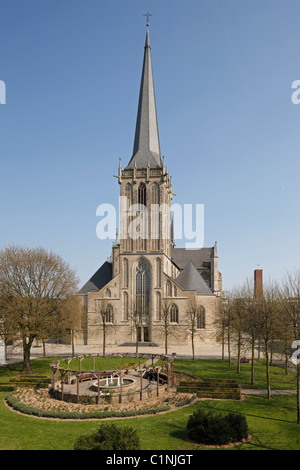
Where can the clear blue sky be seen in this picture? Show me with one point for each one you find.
(223, 71)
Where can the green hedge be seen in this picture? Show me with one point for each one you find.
(211, 384)
(31, 379)
(7, 387)
(18, 406)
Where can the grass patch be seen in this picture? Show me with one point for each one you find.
(41, 367)
(271, 423)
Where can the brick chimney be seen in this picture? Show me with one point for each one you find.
(258, 283)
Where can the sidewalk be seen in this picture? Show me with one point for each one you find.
(206, 350)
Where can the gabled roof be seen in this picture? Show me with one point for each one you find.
(181, 256)
(190, 279)
(146, 149)
(99, 279)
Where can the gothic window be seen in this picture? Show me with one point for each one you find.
(158, 306)
(107, 293)
(206, 278)
(142, 194)
(155, 215)
(129, 196)
(168, 289)
(158, 272)
(142, 286)
(125, 272)
(174, 314)
(125, 306)
(109, 314)
(143, 216)
(201, 318)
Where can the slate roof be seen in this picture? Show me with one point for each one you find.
(99, 279)
(181, 256)
(190, 279)
(146, 149)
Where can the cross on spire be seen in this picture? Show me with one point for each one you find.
(148, 15)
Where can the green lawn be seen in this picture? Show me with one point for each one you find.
(42, 366)
(272, 423)
(216, 368)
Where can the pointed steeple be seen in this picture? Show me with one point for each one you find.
(146, 143)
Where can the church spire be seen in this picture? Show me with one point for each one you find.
(146, 143)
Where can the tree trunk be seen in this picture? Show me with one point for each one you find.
(73, 343)
(298, 393)
(193, 346)
(252, 360)
(258, 350)
(44, 348)
(268, 370)
(228, 341)
(286, 352)
(223, 341)
(166, 342)
(104, 339)
(239, 354)
(26, 354)
(137, 340)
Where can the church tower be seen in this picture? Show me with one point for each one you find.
(144, 249)
(147, 276)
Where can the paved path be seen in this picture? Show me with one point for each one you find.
(264, 392)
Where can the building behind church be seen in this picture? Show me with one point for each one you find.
(146, 277)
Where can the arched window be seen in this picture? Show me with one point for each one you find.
(109, 314)
(168, 289)
(142, 286)
(142, 194)
(175, 291)
(143, 217)
(174, 314)
(129, 196)
(155, 215)
(206, 278)
(107, 293)
(201, 318)
(158, 272)
(125, 272)
(158, 306)
(125, 306)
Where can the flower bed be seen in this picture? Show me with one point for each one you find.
(38, 403)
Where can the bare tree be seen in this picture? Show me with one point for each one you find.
(267, 322)
(193, 309)
(33, 285)
(73, 319)
(220, 322)
(105, 309)
(291, 310)
(166, 328)
(139, 318)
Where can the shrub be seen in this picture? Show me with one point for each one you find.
(109, 437)
(216, 429)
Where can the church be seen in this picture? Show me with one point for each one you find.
(148, 288)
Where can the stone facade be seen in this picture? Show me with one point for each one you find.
(147, 277)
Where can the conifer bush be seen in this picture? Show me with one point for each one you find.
(109, 437)
(215, 429)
